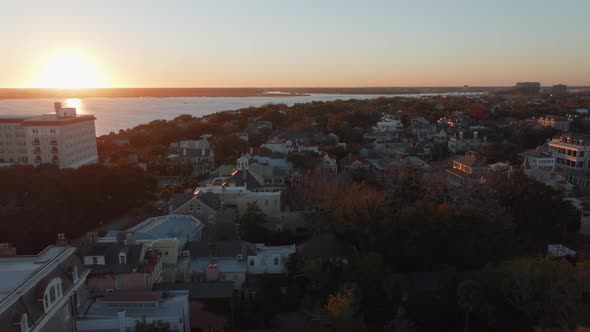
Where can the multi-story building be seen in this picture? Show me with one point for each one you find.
(63, 138)
(13, 142)
(570, 151)
(43, 292)
(528, 88)
(121, 266)
(559, 90)
(196, 153)
(558, 123)
(462, 142)
(538, 159)
(466, 168)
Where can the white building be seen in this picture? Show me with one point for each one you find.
(570, 151)
(63, 138)
(121, 311)
(389, 124)
(43, 292)
(269, 259)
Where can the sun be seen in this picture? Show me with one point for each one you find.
(69, 70)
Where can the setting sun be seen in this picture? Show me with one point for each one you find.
(70, 70)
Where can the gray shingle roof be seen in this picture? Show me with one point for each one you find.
(179, 200)
(111, 251)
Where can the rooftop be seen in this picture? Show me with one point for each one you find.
(169, 226)
(102, 314)
(224, 265)
(202, 290)
(470, 161)
(16, 271)
(226, 248)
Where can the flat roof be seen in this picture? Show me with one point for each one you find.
(170, 306)
(16, 271)
(53, 119)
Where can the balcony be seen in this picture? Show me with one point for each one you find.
(37, 151)
(53, 142)
(36, 142)
(54, 151)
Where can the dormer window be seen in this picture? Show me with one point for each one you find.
(24, 323)
(75, 274)
(53, 292)
(122, 258)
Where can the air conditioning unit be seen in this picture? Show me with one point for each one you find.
(240, 257)
(185, 253)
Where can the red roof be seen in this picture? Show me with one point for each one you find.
(133, 297)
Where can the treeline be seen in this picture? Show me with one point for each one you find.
(467, 260)
(36, 203)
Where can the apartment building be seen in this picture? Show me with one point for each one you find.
(63, 138)
(570, 151)
(558, 123)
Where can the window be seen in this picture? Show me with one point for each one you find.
(53, 293)
(75, 273)
(276, 261)
(190, 208)
(77, 299)
(24, 323)
(118, 283)
(67, 314)
(94, 260)
(251, 262)
(122, 258)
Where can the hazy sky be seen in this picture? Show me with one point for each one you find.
(221, 43)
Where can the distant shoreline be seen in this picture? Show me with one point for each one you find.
(218, 92)
(240, 92)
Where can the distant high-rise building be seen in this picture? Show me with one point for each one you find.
(63, 138)
(528, 89)
(559, 90)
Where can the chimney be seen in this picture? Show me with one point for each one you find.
(130, 238)
(122, 321)
(212, 272)
(475, 135)
(461, 135)
(7, 250)
(61, 240)
(91, 238)
(57, 106)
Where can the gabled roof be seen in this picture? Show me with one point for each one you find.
(470, 161)
(111, 252)
(353, 161)
(179, 200)
(210, 199)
